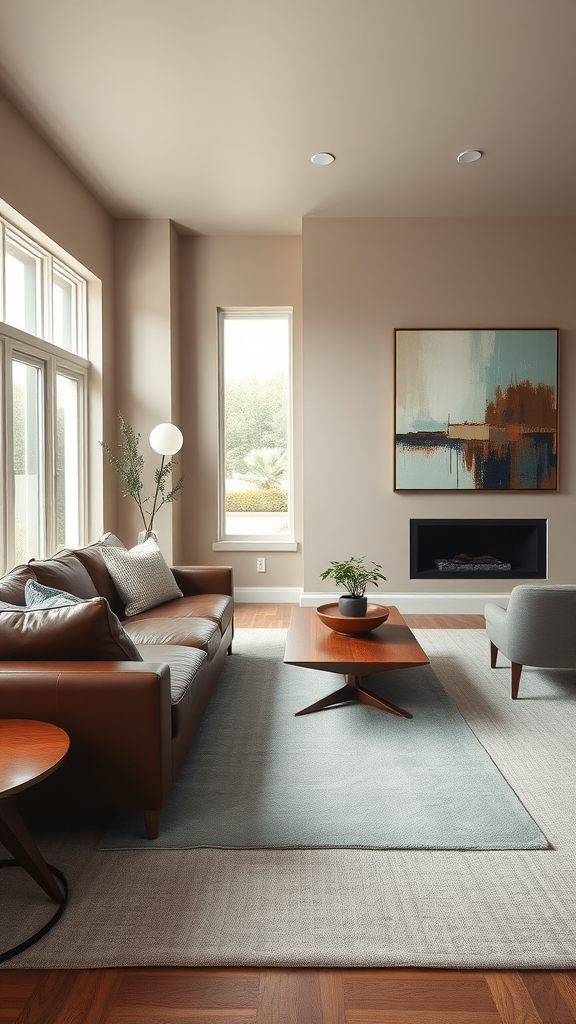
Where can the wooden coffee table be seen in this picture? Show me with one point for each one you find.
(29, 752)
(392, 645)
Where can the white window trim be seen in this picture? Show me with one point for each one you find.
(262, 542)
(48, 263)
(53, 360)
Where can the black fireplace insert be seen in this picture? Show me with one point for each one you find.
(478, 549)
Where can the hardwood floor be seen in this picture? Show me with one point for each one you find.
(303, 996)
(277, 616)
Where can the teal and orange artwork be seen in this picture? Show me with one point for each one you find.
(476, 410)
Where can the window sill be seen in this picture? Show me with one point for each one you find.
(254, 545)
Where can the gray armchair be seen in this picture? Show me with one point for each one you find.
(538, 628)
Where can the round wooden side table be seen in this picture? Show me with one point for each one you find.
(29, 752)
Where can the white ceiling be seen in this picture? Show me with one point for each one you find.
(208, 111)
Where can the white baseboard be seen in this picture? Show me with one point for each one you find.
(421, 604)
(411, 604)
(268, 595)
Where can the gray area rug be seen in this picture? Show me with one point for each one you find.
(348, 777)
(351, 908)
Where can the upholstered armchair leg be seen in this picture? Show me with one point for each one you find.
(515, 678)
(151, 822)
(493, 655)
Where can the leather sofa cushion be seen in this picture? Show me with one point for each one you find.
(186, 677)
(217, 607)
(64, 572)
(13, 585)
(88, 631)
(185, 632)
(93, 562)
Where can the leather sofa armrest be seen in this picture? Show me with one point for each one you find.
(204, 579)
(118, 717)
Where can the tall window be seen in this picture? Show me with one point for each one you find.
(256, 426)
(42, 405)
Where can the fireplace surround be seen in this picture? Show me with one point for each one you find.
(520, 544)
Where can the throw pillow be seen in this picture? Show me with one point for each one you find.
(37, 595)
(142, 577)
(87, 631)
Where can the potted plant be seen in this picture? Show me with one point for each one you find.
(166, 440)
(354, 575)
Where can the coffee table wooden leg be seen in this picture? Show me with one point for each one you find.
(353, 691)
(365, 697)
(347, 692)
(18, 841)
(376, 702)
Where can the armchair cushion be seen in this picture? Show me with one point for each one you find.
(538, 627)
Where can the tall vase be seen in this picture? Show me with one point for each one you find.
(142, 536)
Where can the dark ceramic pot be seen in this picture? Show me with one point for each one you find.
(352, 606)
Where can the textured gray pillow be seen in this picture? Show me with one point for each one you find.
(38, 595)
(141, 575)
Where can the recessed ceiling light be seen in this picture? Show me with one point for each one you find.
(323, 158)
(469, 156)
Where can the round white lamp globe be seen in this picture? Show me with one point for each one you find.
(166, 439)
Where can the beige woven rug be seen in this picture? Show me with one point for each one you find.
(343, 908)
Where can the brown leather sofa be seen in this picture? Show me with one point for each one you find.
(130, 722)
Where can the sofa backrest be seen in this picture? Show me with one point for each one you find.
(94, 564)
(64, 571)
(12, 585)
(81, 572)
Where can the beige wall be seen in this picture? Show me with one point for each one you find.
(41, 188)
(147, 341)
(362, 279)
(219, 272)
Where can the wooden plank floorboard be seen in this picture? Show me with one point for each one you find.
(298, 996)
(270, 996)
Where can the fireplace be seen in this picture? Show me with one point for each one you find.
(492, 549)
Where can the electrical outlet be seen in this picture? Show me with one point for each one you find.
(260, 565)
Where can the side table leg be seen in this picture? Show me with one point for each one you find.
(17, 839)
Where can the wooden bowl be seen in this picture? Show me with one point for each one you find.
(352, 625)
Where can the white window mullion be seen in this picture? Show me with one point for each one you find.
(46, 297)
(2, 273)
(50, 454)
(70, 500)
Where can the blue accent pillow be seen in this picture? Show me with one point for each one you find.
(37, 595)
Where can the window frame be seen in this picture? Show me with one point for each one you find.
(16, 345)
(253, 542)
(50, 265)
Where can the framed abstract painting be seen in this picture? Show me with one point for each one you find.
(476, 410)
